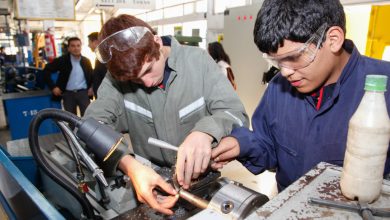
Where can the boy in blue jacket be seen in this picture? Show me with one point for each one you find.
(303, 116)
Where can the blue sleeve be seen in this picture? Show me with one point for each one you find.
(257, 151)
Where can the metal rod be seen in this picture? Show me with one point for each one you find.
(365, 211)
(334, 204)
(193, 199)
(161, 144)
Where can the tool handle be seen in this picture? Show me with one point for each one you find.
(161, 144)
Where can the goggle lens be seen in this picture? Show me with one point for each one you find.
(300, 57)
(121, 41)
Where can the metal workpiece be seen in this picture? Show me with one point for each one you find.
(235, 201)
(193, 199)
(232, 200)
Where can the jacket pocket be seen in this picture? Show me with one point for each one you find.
(289, 150)
(282, 139)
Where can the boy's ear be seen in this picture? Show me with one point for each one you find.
(158, 40)
(335, 36)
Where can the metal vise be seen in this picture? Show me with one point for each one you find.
(232, 199)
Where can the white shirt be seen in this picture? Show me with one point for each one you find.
(223, 65)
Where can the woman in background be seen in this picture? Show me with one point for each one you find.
(217, 52)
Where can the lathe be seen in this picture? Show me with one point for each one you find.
(72, 167)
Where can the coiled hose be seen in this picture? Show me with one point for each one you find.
(73, 120)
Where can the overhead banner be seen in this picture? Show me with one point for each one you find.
(45, 9)
(132, 4)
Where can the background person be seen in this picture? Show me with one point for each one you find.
(217, 52)
(99, 72)
(74, 80)
(303, 116)
(2, 55)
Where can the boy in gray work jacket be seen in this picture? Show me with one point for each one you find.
(159, 88)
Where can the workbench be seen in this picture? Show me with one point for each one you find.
(20, 108)
(321, 182)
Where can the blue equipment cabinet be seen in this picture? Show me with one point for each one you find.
(20, 108)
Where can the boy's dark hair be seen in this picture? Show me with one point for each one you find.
(294, 20)
(269, 74)
(73, 39)
(217, 52)
(93, 36)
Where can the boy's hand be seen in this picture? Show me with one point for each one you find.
(145, 180)
(193, 157)
(227, 150)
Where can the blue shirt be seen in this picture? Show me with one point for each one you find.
(291, 135)
(76, 79)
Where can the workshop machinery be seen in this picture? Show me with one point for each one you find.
(77, 186)
(22, 79)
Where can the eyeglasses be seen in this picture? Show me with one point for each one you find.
(121, 41)
(302, 56)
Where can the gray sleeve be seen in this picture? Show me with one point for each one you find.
(109, 109)
(227, 111)
(110, 166)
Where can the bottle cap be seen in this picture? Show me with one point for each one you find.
(376, 83)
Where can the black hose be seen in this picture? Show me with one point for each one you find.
(73, 120)
(80, 173)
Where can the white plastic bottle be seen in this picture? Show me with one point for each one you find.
(367, 142)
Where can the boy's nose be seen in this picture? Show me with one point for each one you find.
(286, 72)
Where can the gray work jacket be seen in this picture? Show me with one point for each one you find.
(197, 97)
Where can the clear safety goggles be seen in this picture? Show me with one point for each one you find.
(302, 56)
(120, 41)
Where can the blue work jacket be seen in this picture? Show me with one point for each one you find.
(289, 134)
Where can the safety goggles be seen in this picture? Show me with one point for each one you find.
(302, 56)
(120, 41)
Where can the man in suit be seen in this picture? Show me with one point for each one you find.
(74, 79)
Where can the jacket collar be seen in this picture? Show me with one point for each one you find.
(353, 61)
(175, 53)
